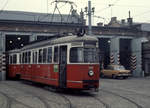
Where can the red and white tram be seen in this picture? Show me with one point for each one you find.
(66, 62)
(14, 64)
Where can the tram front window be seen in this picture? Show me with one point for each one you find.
(90, 55)
(76, 55)
(83, 55)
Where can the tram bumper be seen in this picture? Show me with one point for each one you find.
(89, 84)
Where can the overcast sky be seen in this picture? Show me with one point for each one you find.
(140, 10)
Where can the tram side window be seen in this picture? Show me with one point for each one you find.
(26, 59)
(34, 57)
(14, 59)
(23, 57)
(44, 55)
(56, 54)
(40, 55)
(29, 57)
(11, 59)
(20, 58)
(49, 60)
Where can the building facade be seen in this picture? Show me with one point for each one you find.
(122, 42)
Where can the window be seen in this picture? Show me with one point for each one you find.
(14, 59)
(23, 58)
(83, 55)
(109, 67)
(56, 54)
(118, 67)
(44, 55)
(49, 59)
(19, 58)
(34, 57)
(91, 55)
(29, 57)
(11, 59)
(26, 59)
(40, 55)
(76, 55)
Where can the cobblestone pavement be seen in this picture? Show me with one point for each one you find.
(113, 93)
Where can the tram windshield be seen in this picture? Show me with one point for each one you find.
(84, 55)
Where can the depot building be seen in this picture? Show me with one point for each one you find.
(120, 42)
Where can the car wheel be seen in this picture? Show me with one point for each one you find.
(125, 77)
(114, 76)
(102, 75)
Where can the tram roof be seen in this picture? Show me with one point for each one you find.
(66, 39)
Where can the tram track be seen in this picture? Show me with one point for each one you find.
(133, 92)
(123, 97)
(69, 103)
(44, 100)
(99, 100)
(68, 100)
(9, 100)
(46, 105)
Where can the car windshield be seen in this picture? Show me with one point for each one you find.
(119, 68)
(83, 55)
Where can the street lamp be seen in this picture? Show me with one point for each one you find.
(19, 38)
(10, 42)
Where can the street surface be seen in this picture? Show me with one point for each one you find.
(113, 93)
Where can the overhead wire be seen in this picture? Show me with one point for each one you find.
(140, 6)
(102, 9)
(116, 2)
(122, 5)
(108, 6)
(142, 13)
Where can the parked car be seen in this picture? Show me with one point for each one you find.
(115, 71)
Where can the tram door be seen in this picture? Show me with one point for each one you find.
(63, 65)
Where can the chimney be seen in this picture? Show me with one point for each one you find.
(100, 24)
(82, 14)
(82, 17)
(123, 21)
(113, 19)
(130, 20)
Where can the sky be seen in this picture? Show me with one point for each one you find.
(140, 11)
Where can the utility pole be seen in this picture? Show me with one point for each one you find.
(111, 5)
(47, 6)
(89, 11)
(89, 18)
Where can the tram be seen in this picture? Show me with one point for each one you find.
(14, 64)
(66, 62)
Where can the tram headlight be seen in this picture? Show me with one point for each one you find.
(91, 73)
